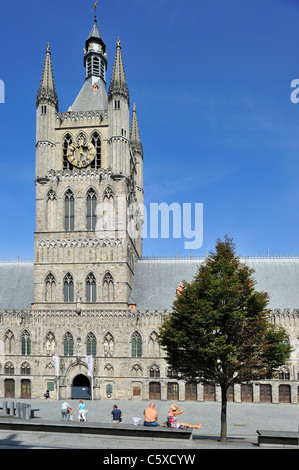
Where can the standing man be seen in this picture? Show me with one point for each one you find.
(151, 416)
(64, 410)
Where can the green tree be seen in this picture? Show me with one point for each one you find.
(219, 330)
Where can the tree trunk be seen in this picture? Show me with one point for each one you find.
(223, 433)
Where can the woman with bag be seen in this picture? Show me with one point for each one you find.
(81, 411)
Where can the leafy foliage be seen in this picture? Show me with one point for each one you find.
(219, 330)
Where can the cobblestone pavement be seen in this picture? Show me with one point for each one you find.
(243, 420)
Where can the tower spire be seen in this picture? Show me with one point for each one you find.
(134, 131)
(118, 83)
(47, 90)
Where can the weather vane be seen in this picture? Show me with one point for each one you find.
(95, 6)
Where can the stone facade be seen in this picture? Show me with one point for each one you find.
(85, 262)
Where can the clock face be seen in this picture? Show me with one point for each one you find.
(81, 155)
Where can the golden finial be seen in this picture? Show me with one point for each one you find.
(95, 6)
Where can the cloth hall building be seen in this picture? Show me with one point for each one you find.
(89, 291)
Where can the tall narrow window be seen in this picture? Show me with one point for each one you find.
(91, 345)
(69, 211)
(51, 209)
(26, 343)
(96, 66)
(89, 67)
(65, 145)
(9, 341)
(68, 344)
(50, 288)
(91, 288)
(68, 288)
(96, 142)
(91, 217)
(136, 344)
(108, 288)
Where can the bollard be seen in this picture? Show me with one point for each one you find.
(23, 410)
(5, 408)
(18, 410)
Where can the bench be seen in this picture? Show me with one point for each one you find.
(91, 428)
(278, 438)
(33, 411)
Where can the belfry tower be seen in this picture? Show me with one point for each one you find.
(89, 188)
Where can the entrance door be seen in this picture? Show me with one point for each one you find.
(284, 394)
(26, 388)
(246, 392)
(9, 385)
(172, 391)
(191, 391)
(81, 387)
(154, 391)
(265, 393)
(209, 392)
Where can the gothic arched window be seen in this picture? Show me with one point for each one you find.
(50, 288)
(25, 369)
(51, 209)
(69, 211)
(9, 369)
(153, 345)
(91, 206)
(68, 288)
(91, 288)
(108, 288)
(96, 142)
(68, 344)
(26, 343)
(136, 344)
(65, 145)
(91, 345)
(154, 371)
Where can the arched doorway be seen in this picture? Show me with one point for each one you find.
(81, 387)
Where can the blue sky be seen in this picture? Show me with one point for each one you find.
(211, 82)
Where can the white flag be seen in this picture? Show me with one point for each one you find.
(56, 364)
(89, 365)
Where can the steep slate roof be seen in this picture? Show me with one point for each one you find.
(16, 285)
(90, 100)
(156, 281)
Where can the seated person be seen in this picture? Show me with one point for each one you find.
(172, 421)
(116, 415)
(151, 416)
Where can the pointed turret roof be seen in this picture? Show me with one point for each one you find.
(134, 131)
(47, 90)
(118, 83)
(94, 33)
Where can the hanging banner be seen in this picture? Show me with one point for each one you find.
(89, 365)
(56, 364)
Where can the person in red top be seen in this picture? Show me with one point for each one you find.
(172, 421)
